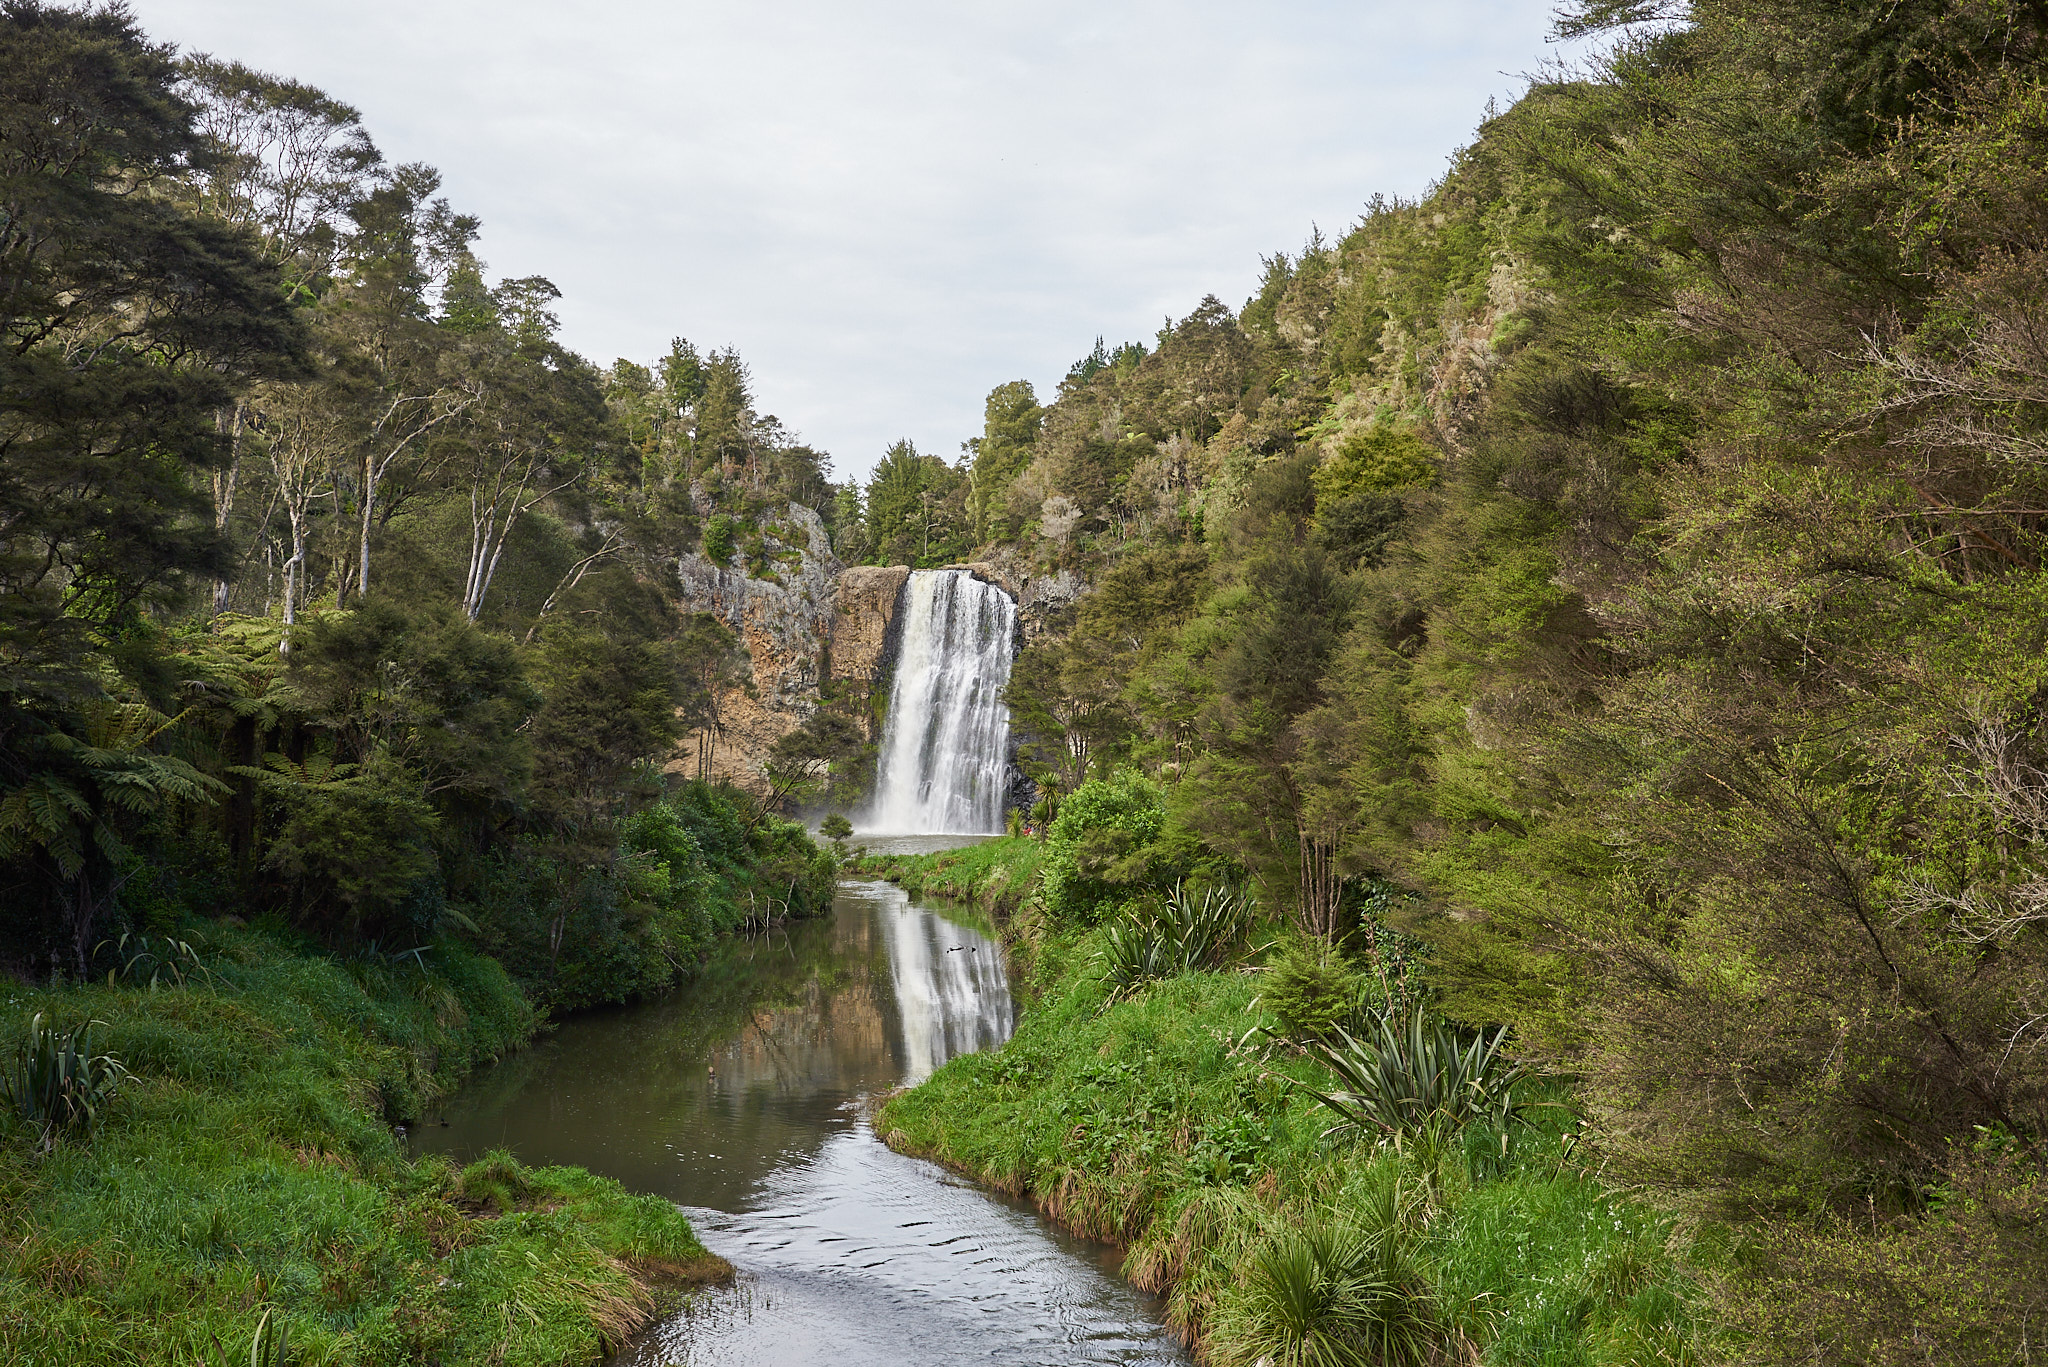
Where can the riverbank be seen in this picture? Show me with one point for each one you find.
(995, 877)
(744, 1100)
(1155, 1122)
(249, 1163)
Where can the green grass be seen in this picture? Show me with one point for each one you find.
(250, 1163)
(996, 876)
(1153, 1122)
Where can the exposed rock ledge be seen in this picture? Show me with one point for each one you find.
(1039, 593)
(863, 613)
(815, 623)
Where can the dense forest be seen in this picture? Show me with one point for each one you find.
(1632, 551)
(343, 665)
(332, 587)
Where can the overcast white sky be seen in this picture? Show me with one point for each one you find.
(890, 208)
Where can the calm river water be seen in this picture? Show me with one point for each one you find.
(742, 1099)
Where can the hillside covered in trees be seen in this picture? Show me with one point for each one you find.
(331, 585)
(1633, 550)
(344, 657)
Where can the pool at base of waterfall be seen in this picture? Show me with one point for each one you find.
(743, 1097)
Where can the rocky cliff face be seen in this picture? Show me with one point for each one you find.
(806, 623)
(811, 624)
(783, 619)
(863, 615)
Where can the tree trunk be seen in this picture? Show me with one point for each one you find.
(224, 483)
(1321, 887)
(294, 568)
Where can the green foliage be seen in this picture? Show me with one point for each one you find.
(497, 1182)
(250, 1163)
(355, 842)
(1313, 989)
(1012, 417)
(1143, 1120)
(421, 685)
(687, 869)
(1409, 1075)
(462, 647)
(997, 877)
(1184, 932)
(152, 961)
(917, 511)
(57, 1083)
(1644, 567)
(718, 542)
(828, 753)
(1328, 1294)
(269, 1346)
(1642, 564)
(82, 785)
(1374, 460)
(1102, 849)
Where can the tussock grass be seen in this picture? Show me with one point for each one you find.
(249, 1165)
(1153, 1121)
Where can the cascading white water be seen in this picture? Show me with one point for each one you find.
(944, 765)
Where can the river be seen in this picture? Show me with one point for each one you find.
(743, 1097)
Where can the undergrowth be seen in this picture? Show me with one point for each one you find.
(249, 1166)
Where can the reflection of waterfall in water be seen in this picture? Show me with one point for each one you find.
(952, 994)
(945, 745)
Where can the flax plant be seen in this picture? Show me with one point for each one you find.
(1416, 1076)
(56, 1083)
(1185, 932)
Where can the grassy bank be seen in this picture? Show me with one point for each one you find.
(1154, 1122)
(250, 1163)
(995, 877)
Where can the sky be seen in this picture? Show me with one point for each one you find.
(891, 208)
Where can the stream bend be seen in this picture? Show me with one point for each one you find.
(742, 1098)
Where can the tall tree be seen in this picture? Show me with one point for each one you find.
(1011, 417)
(126, 324)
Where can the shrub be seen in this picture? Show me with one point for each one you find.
(1314, 991)
(57, 1083)
(1327, 1294)
(155, 960)
(1417, 1076)
(719, 539)
(1185, 933)
(1099, 848)
(836, 828)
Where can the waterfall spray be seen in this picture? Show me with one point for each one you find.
(944, 766)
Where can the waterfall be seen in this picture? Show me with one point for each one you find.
(944, 766)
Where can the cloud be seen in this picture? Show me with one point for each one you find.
(891, 208)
